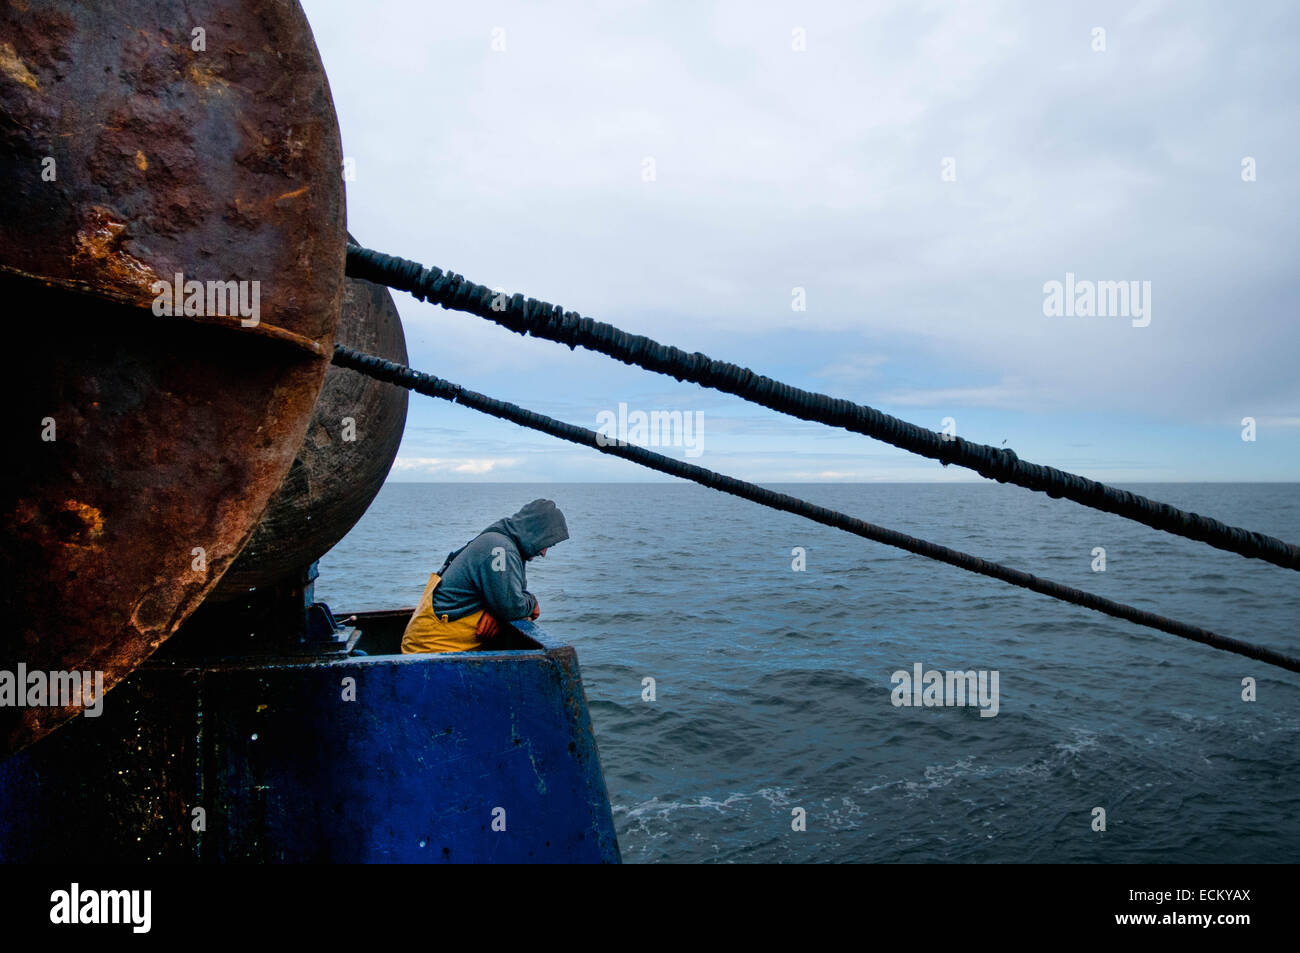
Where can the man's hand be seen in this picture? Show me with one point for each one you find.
(537, 610)
(488, 627)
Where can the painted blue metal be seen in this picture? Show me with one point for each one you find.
(467, 757)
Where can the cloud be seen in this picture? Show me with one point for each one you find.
(853, 367)
(429, 466)
(1010, 394)
(822, 170)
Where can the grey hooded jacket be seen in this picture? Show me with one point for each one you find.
(488, 571)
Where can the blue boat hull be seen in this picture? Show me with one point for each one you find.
(470, 757)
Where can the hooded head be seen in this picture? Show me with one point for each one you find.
(535, 527)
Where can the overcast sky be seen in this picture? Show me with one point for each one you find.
(824, 168)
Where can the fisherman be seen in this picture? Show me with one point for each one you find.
(483, 584)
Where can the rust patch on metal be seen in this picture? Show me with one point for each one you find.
(14, 68)
(98, 245)
(70, 523)
(292, 195)
(172, 432)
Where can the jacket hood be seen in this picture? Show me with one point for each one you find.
(538, 525)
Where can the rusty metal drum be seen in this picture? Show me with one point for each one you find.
(172, 243)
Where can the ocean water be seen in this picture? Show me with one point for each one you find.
(773, 686)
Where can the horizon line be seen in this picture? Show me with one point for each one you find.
(819, 482)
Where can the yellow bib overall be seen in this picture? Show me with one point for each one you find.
(429, 632)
